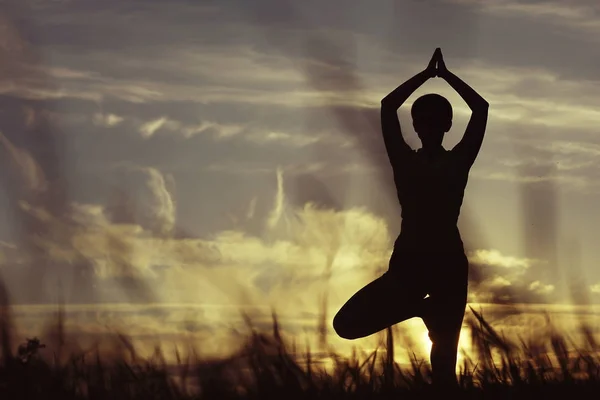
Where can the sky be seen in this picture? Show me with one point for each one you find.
(228, 153)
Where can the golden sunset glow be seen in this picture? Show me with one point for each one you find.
(174, 167)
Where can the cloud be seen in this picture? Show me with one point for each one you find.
(222, 130)
(279, 201)
(497, 259)
(150, 127)
(499, 281)
(567, 180)
(144, 196)
(164, 204)
(28, 173)
(296, 140)
(215, 269)
(245, 73)
(544, 160)
(259, 101)
(229, 67)
(541, 288)
(315, 240)
(570, 147)
(580, 15)
(563, 165)
(107, 120)
(499, 278)
(128, 248)
(54, 72)
(286, 270)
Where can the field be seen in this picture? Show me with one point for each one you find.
(267, 366)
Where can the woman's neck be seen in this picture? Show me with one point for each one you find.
(432, 149)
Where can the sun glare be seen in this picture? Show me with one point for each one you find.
(463, 346)
(426, 342)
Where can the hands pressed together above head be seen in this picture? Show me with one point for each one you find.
(437, 66)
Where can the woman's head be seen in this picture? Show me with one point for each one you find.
(432, 117)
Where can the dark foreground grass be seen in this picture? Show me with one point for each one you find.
(266, 367)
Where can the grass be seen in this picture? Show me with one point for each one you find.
(266, 366)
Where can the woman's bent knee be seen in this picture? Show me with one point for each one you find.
(344, 326)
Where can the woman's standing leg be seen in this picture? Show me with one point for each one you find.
(443, 315)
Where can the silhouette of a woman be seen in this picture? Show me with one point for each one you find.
(428, 269)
